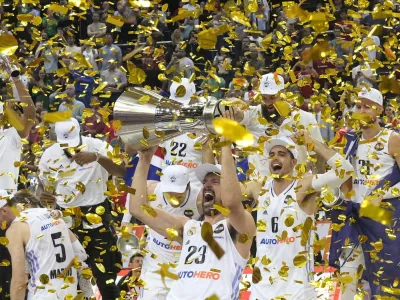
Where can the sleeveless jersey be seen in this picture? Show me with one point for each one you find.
(161, 250)
(372, 163)
(279, 248)
(180, 151)
(48, 252)
(201, 273)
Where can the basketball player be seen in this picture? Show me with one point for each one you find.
(271, 85)
(181, 149)
(285, 217)
(202, 271)
(176, 195)
(375, 158)
(43, 244)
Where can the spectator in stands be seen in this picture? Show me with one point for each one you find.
(49, 54)
(40, 87)
(90, 53)
(249, 96)
(115, 78)
(109, 52)
(96, 29)
(363, 74)
(50, 23)
(71, 49)
(94, 124)
(70, 103)
(223, 62)
(184, 65)
(390, 117)
(338, 41)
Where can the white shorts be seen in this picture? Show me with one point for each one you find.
(154, 288)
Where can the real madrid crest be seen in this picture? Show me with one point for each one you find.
(172, 178)
(191, 231)
(379, 146)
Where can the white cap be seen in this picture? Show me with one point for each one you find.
(371, 94)
(1, 107)
(282, 141)
(175, 179)
(4, 196)
(269, 86)
(68, 133)
(188, 88)
(202, 171)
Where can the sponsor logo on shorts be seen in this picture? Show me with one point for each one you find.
(274, 241)
(367, 182)
(200, 274)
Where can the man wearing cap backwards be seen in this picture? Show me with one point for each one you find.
(41, 247)
(285, 259)
(271, 85)
(176, 195)
(203, 272)
(78, 167)
(181, 150)
(374, 159)
(10, 137)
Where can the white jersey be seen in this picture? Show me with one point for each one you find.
(181, 151)
(372, 164)
(201, 273)
(160, 249)
(48, 252)
(281, 214)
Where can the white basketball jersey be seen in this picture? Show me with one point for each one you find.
(201, 273)
(48, 252)
(278, 244)
(160, 249)
(180, 151)
(372, 164)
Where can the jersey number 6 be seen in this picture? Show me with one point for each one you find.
(59, 258)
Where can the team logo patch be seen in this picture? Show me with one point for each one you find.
(219, 228)
(66, 135)
(288, 200)
(379, 146)
(191, 231)
(188, 213)
(172, 178)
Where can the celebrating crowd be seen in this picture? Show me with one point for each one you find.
(307, 131)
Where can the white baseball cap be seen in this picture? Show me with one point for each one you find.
(202, 171)
(68, 133)
(1, 107)
(4, 196)
(175, 179)
(270, 86)
(188, 89)
(371, 94)
(282, 141)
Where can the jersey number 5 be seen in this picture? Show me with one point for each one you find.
(198, 260)
(59, 258)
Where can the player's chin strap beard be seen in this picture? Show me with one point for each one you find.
(270, 116)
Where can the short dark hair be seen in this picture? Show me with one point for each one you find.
(137, 254)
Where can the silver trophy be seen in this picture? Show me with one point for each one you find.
(147, 119)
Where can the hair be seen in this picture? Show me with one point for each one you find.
(25, 197)
(137, 254)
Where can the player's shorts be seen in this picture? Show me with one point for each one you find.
(154, 289)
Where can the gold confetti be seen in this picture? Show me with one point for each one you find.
(8, 44)
(233, 131)
(3, 241)
(100, 267)
(207, 235)
(44, 279)
(148, 210)
(289, 221)
(222, 209)
(93, 218)
(300, 261)
(256, 278)
(100, 210)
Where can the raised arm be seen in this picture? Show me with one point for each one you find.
(28, 108)
(231, 196)
(157, 219)
(17, 251)
(341, 169)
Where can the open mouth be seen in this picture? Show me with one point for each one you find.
(209, 196)
(276, 166)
